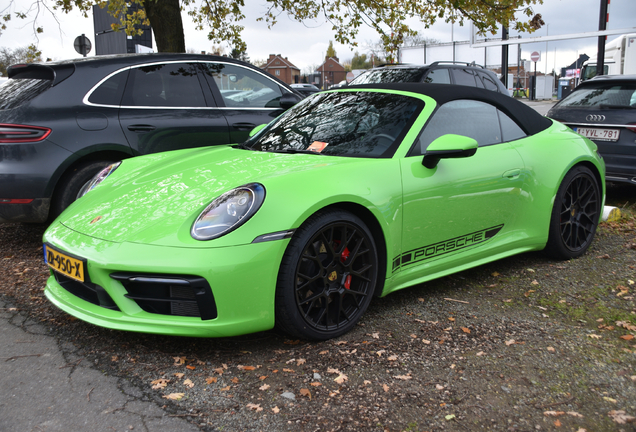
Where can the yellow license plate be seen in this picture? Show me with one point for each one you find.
(64, 264)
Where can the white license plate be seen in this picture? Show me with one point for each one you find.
(599, 134)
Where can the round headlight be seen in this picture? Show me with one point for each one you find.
(100, 177)
(228, 212)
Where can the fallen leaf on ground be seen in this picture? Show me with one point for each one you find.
(159, 384)
(510, 342)
(375, 335)
(276, 410)
(178, 361)
(225, 388)
(255, 407)
(426, 341)
(557, 423)
(246, 368)
(379, 353)
(235, 380)
(466, 330)
(174, 396)
(554, 413)
(481, 353)
(332, 370)
(403, 377)
(262, 377)
(551, 349)
(392, 358)
(341, 378)
(627, 337)
(341, 343)
(179, 374)
(264, 387)
(191, 367)
(594, 336)
(300, 362)
(323, 352)
(289, 370)
(211, 380)
(385, 387)
(621, 417)
(609, 399)
(495, 274)
(305, 392)
(315, 384)
(439, 387)
(188, 383)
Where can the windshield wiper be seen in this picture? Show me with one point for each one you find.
(608, 106)
(242, 146)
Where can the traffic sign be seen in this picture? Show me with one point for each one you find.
(82, 45)
(535, 56)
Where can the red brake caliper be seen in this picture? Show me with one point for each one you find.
(343, 258)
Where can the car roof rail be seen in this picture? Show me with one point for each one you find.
(473, 64)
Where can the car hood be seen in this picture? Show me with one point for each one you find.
(155, 199)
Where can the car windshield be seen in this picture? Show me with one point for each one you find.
(389, 76)
(606, 96)
(356, 124)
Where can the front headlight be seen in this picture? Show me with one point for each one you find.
(100, 177)
(228, 212)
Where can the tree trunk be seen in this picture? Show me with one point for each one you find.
(165, 20)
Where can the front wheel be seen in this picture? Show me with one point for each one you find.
(327, 277)
(575, 214)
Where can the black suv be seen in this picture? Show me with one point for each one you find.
(62, 122)
(440, 72)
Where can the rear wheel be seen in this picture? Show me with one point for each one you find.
(327, 276)
(72, 182)
(575, 214)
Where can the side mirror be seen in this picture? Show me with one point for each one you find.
(447, 147)
(288, 100)
(257, 129)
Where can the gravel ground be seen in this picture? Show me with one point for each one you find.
(521, 344)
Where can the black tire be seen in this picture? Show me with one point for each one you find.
(70, 184)
(327, 276)
(575, 215)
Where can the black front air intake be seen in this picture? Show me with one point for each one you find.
(177, 295)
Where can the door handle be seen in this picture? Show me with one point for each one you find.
(141, 128)
(243, 126)
(511, 174)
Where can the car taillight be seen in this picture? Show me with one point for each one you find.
(19, 133)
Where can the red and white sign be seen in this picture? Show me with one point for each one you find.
(535, 56)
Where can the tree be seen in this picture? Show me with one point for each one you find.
(8, 57)
(361, 61)
(239, 54)
(331, 52)
(222, 18)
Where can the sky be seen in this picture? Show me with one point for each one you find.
(305, 44)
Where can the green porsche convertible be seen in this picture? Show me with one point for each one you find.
(351, 194)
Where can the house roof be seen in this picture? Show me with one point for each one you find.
(287, 63)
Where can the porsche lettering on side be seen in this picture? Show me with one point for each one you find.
(351, 194)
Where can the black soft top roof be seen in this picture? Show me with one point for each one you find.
(527, 118)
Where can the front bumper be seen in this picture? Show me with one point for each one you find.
(242, 280)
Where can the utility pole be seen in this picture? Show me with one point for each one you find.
(602, 25)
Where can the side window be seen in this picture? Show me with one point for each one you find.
(110, 91)
(474, 119)
(463, 77)
(242, 87)
(438, 76)
(164, 85)
(509, 129)
(489, 84)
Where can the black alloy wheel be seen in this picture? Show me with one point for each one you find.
(328, 276)
(575, 215)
